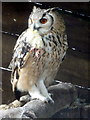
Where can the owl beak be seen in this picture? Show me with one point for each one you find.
(33, 27)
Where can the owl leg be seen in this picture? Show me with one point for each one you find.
(41, 86)
(35, 94)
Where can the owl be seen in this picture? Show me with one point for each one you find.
(38, 53)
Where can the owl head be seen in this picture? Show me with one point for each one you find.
(46, 20)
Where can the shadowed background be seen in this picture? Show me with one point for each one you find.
(74, 68)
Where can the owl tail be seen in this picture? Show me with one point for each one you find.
(17, 94)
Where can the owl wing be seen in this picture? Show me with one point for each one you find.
(21, 48)
(20, 54)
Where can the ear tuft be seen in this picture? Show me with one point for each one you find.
(34, 9)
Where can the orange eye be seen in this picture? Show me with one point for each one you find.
(43, 20)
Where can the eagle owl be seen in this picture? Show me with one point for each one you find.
(38, 53)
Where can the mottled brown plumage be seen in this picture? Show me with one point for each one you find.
(38, 53)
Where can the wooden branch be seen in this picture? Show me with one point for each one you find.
(79, 111)
(63, 94)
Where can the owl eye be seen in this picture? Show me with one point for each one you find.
(43, 20)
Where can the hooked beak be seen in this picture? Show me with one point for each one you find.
(34, 27)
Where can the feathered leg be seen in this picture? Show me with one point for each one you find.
(41, 86)
(35, 94)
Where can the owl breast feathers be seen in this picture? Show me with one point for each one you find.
(38, 53)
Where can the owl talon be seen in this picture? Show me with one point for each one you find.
(42, 98)
(50, 94)
(49, 100)
(25, 98)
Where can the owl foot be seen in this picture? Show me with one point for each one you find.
(36, 93)
(25, 98)
(49, 100)
(44, 99)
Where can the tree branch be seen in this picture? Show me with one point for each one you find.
(63, 94)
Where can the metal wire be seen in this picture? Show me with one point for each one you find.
(68, 11)
(81, 87)
(77, 86)
(6, 69)
(9, 33)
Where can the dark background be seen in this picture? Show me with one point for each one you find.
(74, 69)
